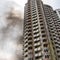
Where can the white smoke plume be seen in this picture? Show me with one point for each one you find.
(11, 31)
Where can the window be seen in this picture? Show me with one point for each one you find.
(41, 24)
(46, 56)
(58, 51)
(43, 35)
(36, 32)
(44, 40)
(54, 38)
(37, 46)
(46, 50)
(29, 30)
(37, 36)
(37, 51)
(42, 31)
(58, 56)
(38, 57)
(29, 23)
(35, 25)
(37, 41)
(29, 27)
(45, 45)
(29, 34)
(26, 55)
(42, 27)
(29, 47)
(41, 20)
(30, 38)
(36, 29)
(35, 22)
(58, 47)
(26, 45)
(26, 50)
(30, 43)
(56, 42)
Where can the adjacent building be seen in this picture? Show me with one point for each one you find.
(41, 32)
(58, 12)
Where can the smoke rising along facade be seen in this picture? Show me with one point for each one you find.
(41, 32)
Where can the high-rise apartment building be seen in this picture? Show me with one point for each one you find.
(41, 32)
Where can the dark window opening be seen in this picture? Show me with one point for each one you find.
(46, 56)
(38, 57)
(45, 45)
(44, 40)
(43, 35)
(29, 47)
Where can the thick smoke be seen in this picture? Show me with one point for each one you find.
(11, 31)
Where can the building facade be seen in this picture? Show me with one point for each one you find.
(41, 32)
